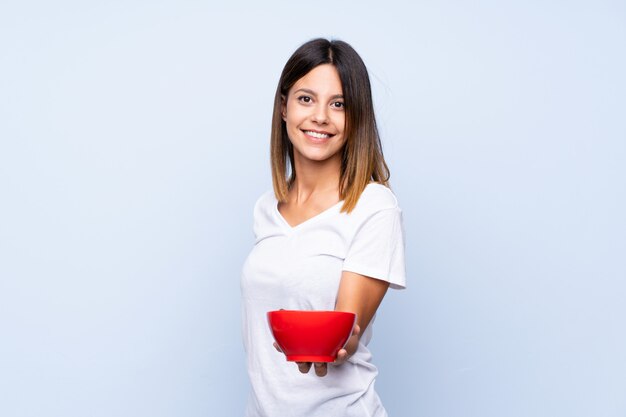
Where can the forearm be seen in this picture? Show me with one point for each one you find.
(360, 295)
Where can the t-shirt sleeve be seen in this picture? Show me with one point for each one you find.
(377, 249)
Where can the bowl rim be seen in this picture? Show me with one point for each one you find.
(310, 311)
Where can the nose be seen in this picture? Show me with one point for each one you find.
(320, 114)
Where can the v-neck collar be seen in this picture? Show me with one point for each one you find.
(312, 219)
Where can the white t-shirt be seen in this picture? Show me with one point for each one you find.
(299, 268)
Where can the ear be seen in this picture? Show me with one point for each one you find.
(283, 107)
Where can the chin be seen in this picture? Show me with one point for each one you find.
(317, 154)
(318, 157)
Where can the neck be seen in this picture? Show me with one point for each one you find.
(316, 177)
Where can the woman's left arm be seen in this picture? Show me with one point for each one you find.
(360, 295)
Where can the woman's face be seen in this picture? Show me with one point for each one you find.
(314, 114)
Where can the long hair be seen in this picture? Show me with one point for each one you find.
(362, 157)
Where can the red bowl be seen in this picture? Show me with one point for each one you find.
(311, 336)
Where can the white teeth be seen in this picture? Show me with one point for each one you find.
(317, 135)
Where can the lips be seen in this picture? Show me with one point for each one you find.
(319, 135)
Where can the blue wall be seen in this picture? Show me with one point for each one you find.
(134, 141)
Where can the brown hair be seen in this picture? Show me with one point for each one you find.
(362, 158)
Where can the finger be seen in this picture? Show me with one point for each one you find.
(277, 347)
(356, 330)
(321, 368)
(342, 355)
(304, 366)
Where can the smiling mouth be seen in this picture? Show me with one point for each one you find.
(317, 135)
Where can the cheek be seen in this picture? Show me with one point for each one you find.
(340, 121)
(293, 117)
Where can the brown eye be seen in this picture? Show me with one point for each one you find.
(339, 105)
(304, 99)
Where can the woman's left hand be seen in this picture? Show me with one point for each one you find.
(321, 368)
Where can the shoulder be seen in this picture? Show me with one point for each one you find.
(263, 204)
(263, 213)
(376, 197)
(265, 199)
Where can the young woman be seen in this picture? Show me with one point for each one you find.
(328, 236)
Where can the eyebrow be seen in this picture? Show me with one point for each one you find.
(313, 93)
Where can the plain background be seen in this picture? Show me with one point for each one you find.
(134, 142)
